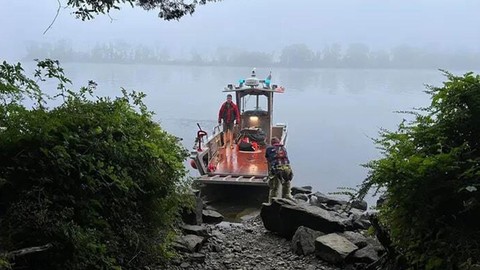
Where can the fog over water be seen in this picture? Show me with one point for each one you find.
(333, 111)
(267, 25)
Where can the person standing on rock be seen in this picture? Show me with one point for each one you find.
(279, 170)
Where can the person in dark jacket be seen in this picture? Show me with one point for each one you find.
(279, 170)
(230, 115)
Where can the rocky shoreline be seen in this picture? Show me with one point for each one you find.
(247, 245)
(315, 232)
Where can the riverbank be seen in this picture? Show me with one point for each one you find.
(248, 246)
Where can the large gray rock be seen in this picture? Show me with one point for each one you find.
(365, 255)
(301, 197)
(356, 238)
(284, 217)
(194, 216)
(360, 220)
(303, 241)
(333, 248)
(301, 190)
(212, 217)
(319, 198)
(373, 242)
(362, 205)
(199, 230)
(219, 235)
(189, 242)
(361, 223)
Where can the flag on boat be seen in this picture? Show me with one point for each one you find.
(268, 79)
(280, 89)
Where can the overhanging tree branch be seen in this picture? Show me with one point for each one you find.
(54, 19)
(168, 9)
(25, 251)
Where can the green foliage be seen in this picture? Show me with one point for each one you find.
(169, 9)
(4, 264)
(95, 176)
(349, 192)
(430, 173)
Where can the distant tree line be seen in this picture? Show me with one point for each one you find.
(355, 55)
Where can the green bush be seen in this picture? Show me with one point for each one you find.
(94, 176)
(430, 176)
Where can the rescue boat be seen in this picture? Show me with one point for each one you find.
(245, 164)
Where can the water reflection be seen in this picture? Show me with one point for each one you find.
(329, 81)
(299, 79)
(355, 81)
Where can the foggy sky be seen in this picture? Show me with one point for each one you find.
(257, 25)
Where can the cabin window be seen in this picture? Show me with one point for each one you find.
(255, 111)
(254, 103)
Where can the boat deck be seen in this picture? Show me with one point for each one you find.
(238, 167)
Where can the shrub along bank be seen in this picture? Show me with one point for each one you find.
(95, 177)
(430, 176)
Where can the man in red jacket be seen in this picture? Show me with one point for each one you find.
(230, 115)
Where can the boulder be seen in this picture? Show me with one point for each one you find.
(194, 216)
(301, 190)
(284, 217)
(333, 248)
(199, 230)
(303, 241)
(212, 217)
(301, 197)
(189, 243)
(373, 242)
(356, 238)
(320, 198)
(361, 223)
(362, 205)
(365, 255)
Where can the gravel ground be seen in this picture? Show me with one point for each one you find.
(247, 246)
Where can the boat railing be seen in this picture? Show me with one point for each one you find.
(216, 129)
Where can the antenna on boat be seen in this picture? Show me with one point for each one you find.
(252, 81)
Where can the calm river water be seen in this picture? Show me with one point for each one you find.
(332, 115)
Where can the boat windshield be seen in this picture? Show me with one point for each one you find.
(254, 103)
